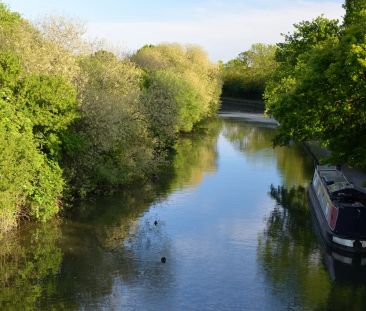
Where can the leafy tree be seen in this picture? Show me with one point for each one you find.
(181, 84)
(246, 75)
(75, 121)
(317, 92)
(283, 94)
(51, 105)
(31, 179)
(45, 49)
(116, 146)
(345, 131)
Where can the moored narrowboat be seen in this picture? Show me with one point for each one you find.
(339, 208)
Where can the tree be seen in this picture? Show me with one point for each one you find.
(115, 146)
(33, 115)
(42, 50)
(75, 120)
(246, 75)
(285, 96)
(318, 91)
(182, 87)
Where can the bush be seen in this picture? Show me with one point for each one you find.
(32, 117)
(182, 87)
(116, 145)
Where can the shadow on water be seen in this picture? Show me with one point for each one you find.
(300, 269)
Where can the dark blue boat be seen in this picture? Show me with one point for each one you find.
(340, 209)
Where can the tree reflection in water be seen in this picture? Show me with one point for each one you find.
(195, 155)
(109, 252)
(295, 263)
(255, 141)
(112, 249)
(79, 262)
(29, 265)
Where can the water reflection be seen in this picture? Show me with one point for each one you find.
(248, 138)
(195, 156)
(209, 207)
(112, 247)
(104, 245)
(300, 269)
(29, 266)
(119, 248)
(256, 142)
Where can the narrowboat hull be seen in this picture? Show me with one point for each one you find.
(342, 266)
(327, 233)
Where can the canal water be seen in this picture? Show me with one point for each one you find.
(231, 218)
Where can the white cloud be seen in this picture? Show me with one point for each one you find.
(222, 34)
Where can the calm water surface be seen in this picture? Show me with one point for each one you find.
(232, 221)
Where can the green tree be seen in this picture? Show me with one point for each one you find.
(181, 84)
(284, 95)
(75, 121)
(114, 145)
(31, 179)
(47, 48)
(246, 75)
(317, 92)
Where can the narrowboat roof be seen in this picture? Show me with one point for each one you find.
(334, 178)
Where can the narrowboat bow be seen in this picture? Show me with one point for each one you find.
(339, 208)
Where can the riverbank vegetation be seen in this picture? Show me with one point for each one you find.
(32, 258)
(76, 119)
(246, 75)
(318, 89)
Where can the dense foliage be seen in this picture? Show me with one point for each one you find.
(34, 110)
(246, 75)
(112, 144)
(318, 91)
(184, 81)
(76, 119)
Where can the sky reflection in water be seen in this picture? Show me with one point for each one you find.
(233, 223)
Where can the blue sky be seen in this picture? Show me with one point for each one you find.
(223, 27)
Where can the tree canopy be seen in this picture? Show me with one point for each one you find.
(246, 75)
(183, 78)
(77, 120)
(318, 90)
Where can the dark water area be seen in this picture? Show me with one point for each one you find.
(231, 217)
